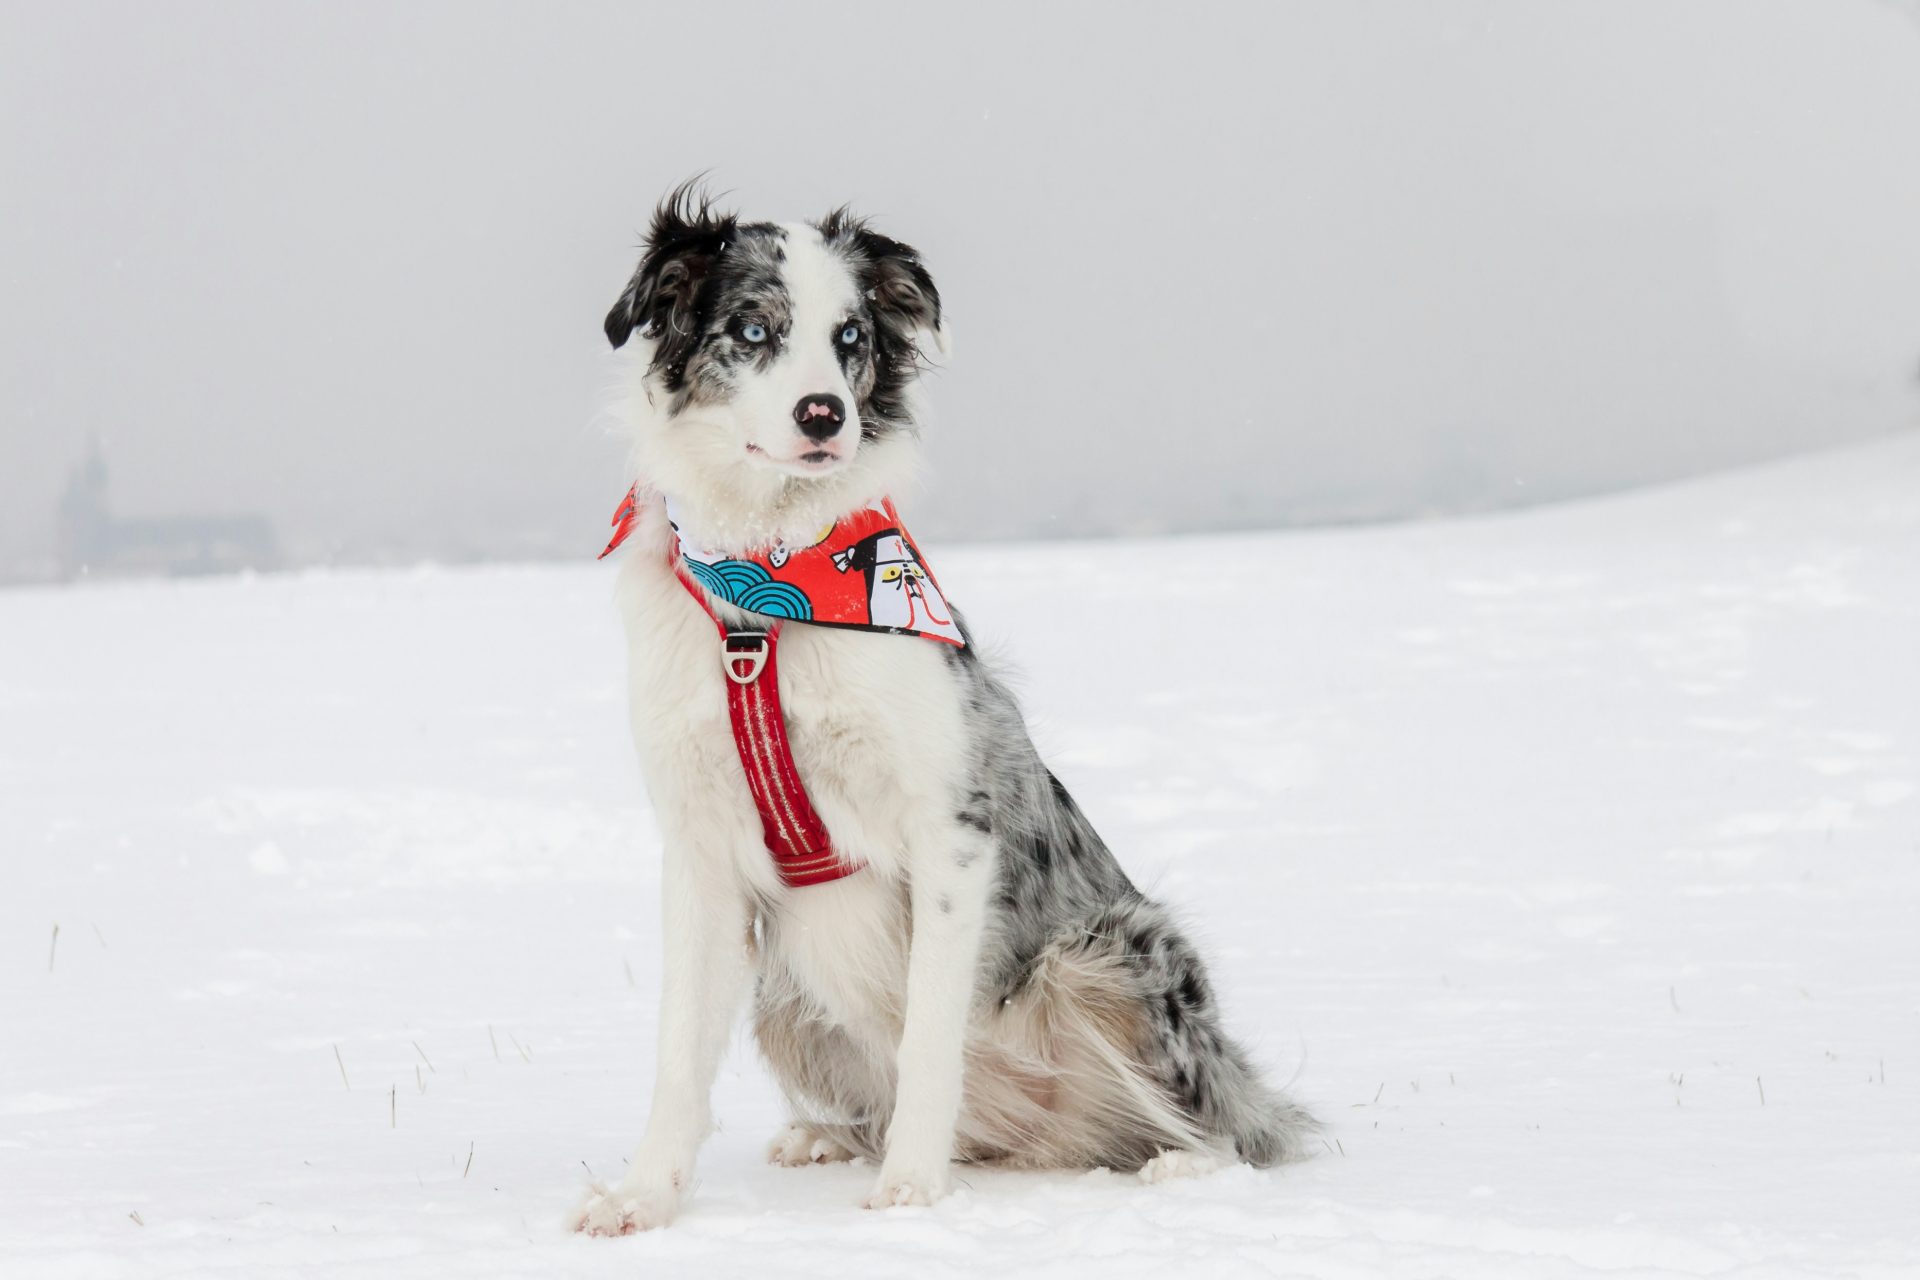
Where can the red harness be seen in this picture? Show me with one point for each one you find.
(802, 850)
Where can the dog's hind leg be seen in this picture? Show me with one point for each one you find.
(1177, 1163)
(707, 958)
(837, 1090)
(801, 1143)
(951, 868)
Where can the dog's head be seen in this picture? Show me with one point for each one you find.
(770, 350)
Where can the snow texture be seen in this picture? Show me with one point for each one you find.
(1569, 857)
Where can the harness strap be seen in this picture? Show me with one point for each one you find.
(802, 851)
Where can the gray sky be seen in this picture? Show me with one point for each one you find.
(1207, 266)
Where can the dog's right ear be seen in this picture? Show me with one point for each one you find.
(663, 297)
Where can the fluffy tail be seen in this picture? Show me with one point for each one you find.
(1267, 1126)
(1184, 1047)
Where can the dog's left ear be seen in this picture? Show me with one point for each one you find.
(904, 298)
(901, 290)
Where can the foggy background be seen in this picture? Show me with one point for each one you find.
(344, 266)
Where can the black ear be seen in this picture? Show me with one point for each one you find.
(898, 285)
(902, 287)
(663, 297)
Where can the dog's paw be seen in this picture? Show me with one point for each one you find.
(1169, 1165)
(622, 1210)
(907, 1188)
(800, 1144)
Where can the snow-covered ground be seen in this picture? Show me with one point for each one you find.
(1571, 858)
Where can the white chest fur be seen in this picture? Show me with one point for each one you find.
(878, 734)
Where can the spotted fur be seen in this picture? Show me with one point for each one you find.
(991, 987)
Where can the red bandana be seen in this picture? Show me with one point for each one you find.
(864, 570)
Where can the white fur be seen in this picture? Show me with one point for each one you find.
(1179, 1163)
(824, 295)
(886, 743)
(877, 732)
(800, 1144)
(889, 957)
(706, 457)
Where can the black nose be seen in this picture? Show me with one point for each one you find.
(820, 417)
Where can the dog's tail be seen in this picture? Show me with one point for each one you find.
(1205, 1092)
(1204, 1067)
(1266, 1125)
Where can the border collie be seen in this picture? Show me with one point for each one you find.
(989, 986)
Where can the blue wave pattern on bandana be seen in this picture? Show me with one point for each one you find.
(751, 587)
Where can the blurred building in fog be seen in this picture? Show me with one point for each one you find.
(92, 540)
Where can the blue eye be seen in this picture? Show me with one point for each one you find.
(753, 331)
(850, 335)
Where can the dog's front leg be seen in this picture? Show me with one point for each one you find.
(951, 873)
(707, 961)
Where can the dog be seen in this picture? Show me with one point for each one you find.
(988, 986)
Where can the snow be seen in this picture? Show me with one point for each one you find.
(1568, 857)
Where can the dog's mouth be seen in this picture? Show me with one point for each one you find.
(812, 462)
